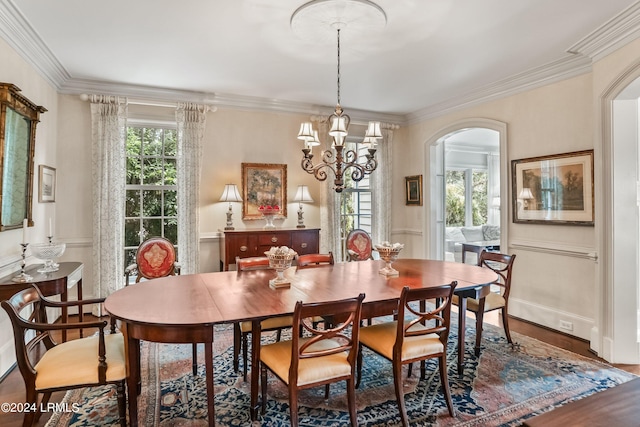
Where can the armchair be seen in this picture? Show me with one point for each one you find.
(85, 362)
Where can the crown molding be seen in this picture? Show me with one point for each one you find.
(536, 77)
(615, 33)
(17, 32)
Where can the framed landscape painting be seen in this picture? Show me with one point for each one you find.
(556, 189)
(263, 184)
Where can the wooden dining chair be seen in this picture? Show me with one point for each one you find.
(155, 258)
(359, 246)
(241, 330)
(503, 266)
(313, 260)
(324, 357)
(47, 366)
(422, 334)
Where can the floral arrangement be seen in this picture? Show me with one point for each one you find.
(268, 209)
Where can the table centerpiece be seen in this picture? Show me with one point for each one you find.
(280, 258)
(389, 253)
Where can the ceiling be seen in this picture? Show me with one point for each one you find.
(430, 55)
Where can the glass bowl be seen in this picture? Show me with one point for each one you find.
(48, 252)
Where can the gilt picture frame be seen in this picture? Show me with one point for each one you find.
(46, 184)
(413, 190)
(554, 189)
(263, 184)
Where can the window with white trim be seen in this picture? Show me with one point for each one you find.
(151, 186)
(356, 200)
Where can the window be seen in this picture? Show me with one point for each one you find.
(466, 197)
(151, 187)
(356, 200)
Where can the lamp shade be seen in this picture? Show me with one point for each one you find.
(230, 193)
(525, 194)
(302, 195)
(306, 132)
(373, 131)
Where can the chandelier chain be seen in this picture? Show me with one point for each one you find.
(338, 66)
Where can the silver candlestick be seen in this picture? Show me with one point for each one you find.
(23, 277)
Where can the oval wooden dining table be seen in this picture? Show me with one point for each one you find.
(184, 309)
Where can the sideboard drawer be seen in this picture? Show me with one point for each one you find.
(248, 243)
(305, 242)
(274, 239)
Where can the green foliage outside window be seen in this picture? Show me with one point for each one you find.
(455, 209)
(151, 192)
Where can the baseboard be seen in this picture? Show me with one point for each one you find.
(560, 321)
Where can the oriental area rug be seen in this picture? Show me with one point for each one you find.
(502, 387)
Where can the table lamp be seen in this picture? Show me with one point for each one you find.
(302, 196)
(230, 194)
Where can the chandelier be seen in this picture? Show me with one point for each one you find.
(339, 160)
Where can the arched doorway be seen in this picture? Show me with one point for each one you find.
(435, 189)
(616, 335)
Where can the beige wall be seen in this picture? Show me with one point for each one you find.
(231, 138)
(550, 284)
(13, 69)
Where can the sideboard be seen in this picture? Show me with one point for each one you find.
(250, 242)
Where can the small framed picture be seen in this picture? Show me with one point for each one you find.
(413, 189)
(47, 185)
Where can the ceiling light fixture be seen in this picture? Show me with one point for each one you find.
(338, 14)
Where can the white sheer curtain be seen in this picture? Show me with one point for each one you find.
(381, 183)
(108, 133)
(191, 120)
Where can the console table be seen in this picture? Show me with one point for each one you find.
(54, 283)
(478, 247)
(255, 242)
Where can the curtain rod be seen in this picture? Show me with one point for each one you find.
(134, 101)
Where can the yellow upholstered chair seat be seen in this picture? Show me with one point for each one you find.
(269, 324)
(382, 337)
(493, 301)
(277, 357)
(76, 362)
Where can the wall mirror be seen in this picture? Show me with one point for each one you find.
(18, 120)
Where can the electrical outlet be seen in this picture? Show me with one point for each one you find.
(566, 325)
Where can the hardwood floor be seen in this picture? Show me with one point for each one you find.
(12, 387)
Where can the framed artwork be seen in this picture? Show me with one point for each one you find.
(413, 190)
(47, 184)
(555, 189)
(263, 184)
